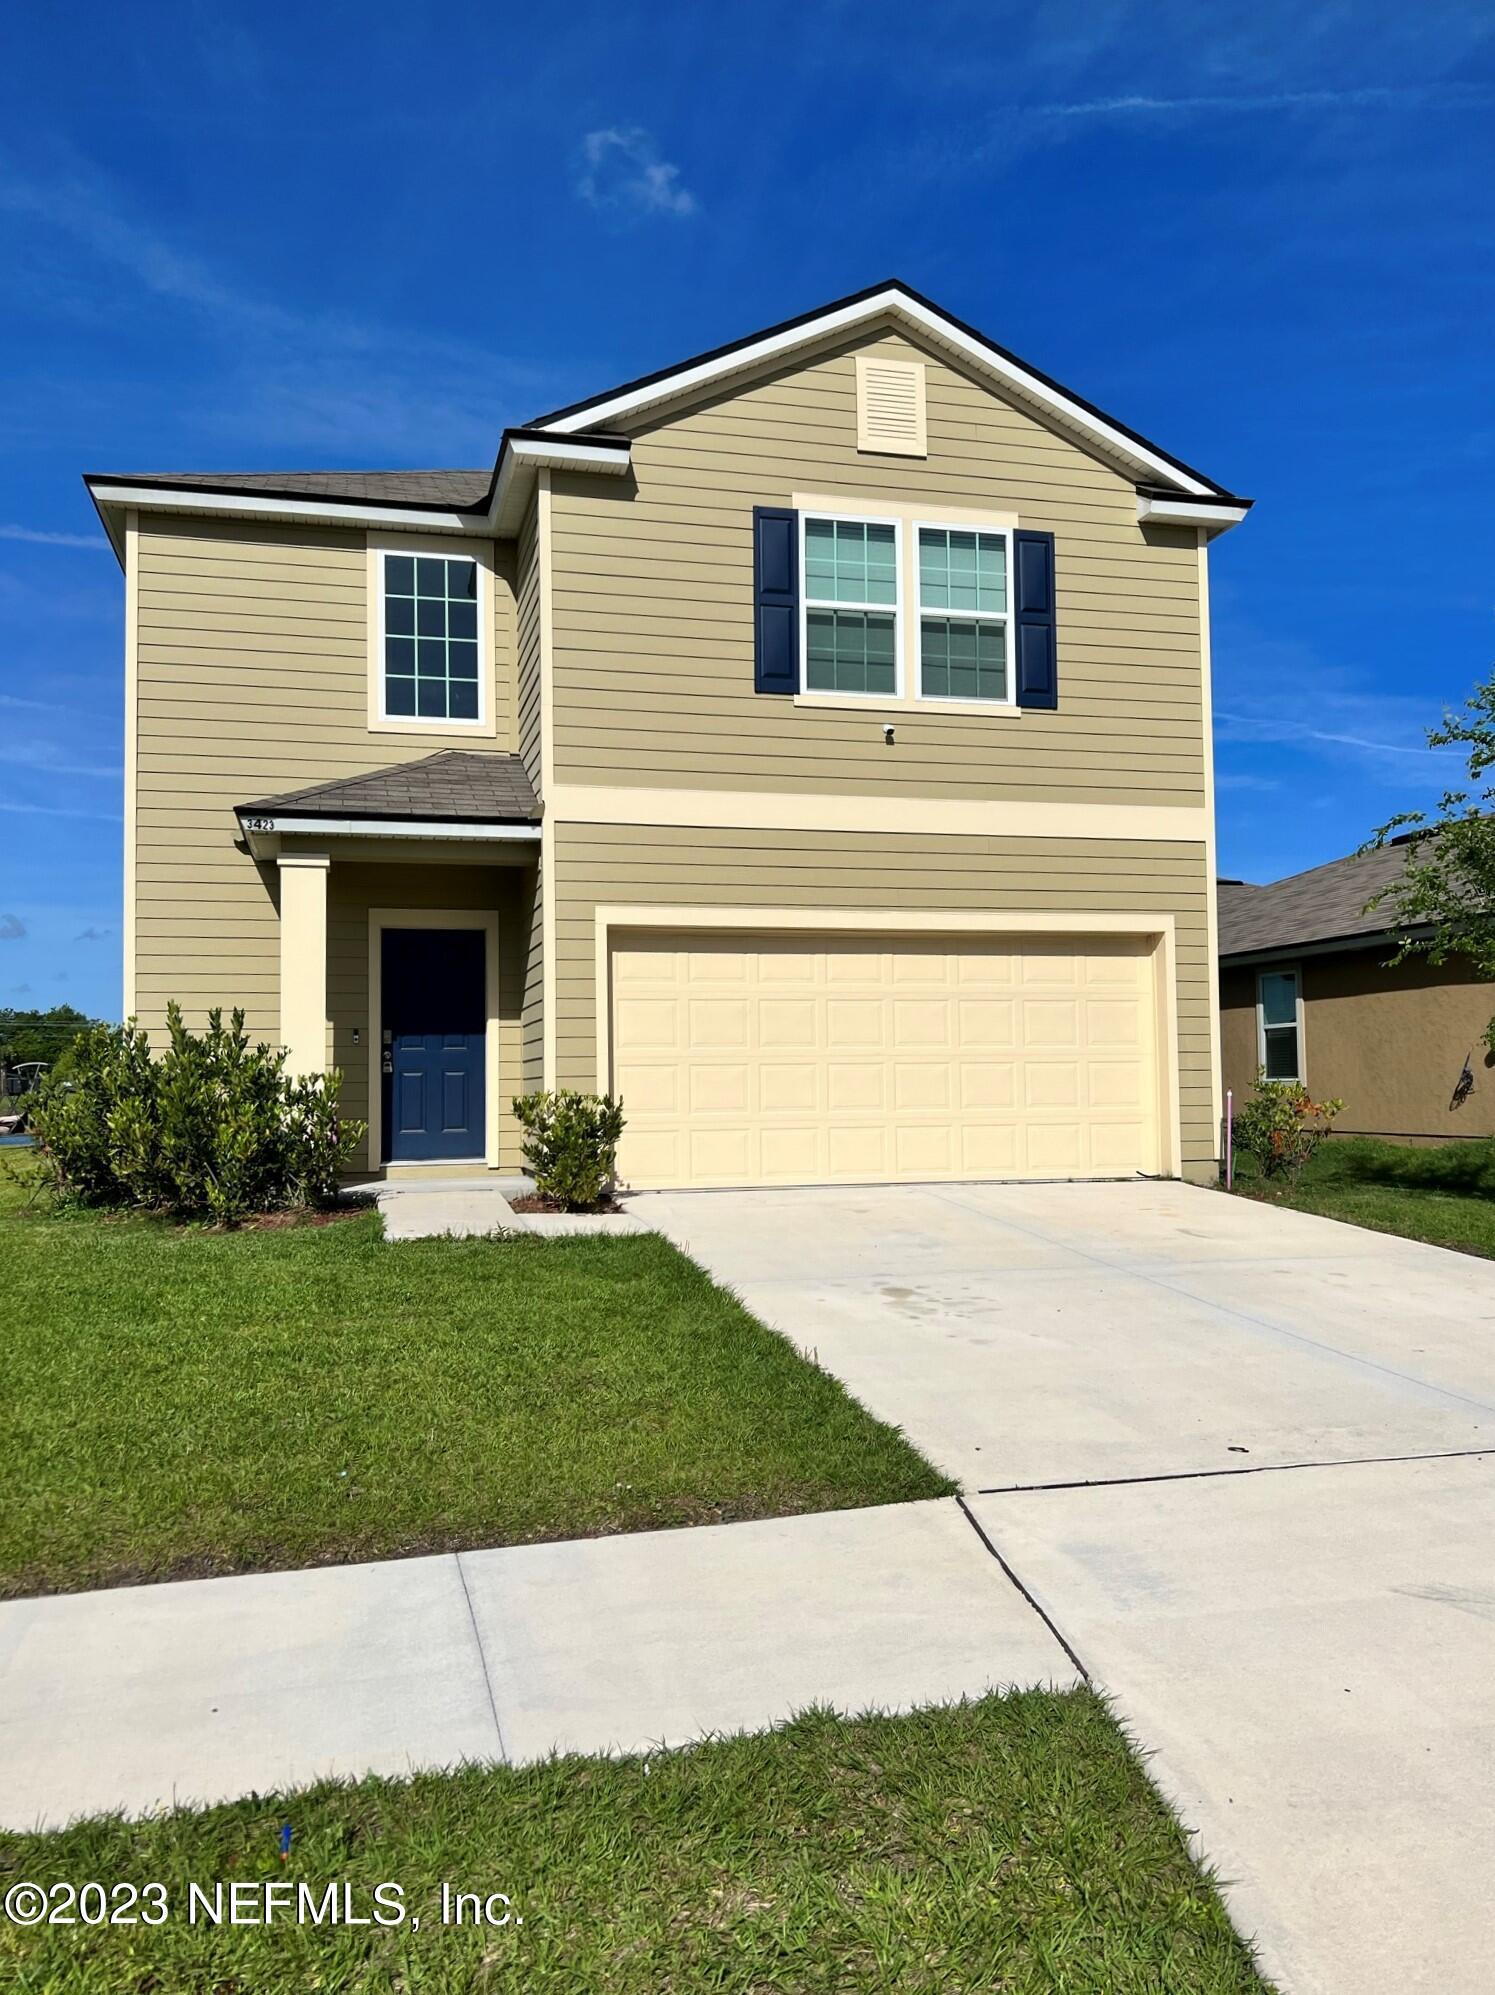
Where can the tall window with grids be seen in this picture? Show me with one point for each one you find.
(431, 648)
(964, 636)
(851, 606)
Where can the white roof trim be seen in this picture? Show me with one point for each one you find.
(845, 318)
(347, 512)
(264, 824)
(1185, 512)
(522, 458)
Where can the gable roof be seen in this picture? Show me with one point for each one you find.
(1324, 905)
(453, 786)
(585, 437)
(900, 301)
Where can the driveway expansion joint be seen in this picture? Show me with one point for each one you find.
(1208, 1475)
(1046, 1618)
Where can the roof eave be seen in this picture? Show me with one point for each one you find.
(522, 455)
(1326, 945)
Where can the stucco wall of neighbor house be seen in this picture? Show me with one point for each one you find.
(668, 866)
(1389, 1041)
(653, 604)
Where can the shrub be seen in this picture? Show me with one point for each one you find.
(571, 1145)
(1282, 1125)
(213, 1129)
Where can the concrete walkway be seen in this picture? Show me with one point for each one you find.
(209, 1689)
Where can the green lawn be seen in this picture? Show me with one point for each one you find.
(180, 1403)
(1012, 1844)
(1441, 1193)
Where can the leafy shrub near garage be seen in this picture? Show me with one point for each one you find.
(1281, 1126)
(571, 1145)
(213, 1129)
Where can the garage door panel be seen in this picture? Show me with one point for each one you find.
(784, 1088)
(751, 1059)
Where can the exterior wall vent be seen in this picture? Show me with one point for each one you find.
(890, 406)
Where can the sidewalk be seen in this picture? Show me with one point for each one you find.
(204, 1690)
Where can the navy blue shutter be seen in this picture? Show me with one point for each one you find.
(1033, 604)
(775, 600)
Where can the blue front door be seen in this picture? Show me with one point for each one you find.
(434, 1031)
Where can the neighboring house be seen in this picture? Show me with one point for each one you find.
(1308, 992)
(808, 743)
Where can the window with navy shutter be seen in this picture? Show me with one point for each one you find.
(1035, 619)
(775, 600)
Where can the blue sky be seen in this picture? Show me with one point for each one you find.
(272, 236)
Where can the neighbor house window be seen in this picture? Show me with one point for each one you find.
(1278, 1028)
(431, 638)
(851, 606)
(964, 644)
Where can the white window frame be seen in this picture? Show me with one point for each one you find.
(807, 691)
(1294, 971)
(446, 548)
(1005, 617)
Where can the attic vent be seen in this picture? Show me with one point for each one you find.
(890, 406)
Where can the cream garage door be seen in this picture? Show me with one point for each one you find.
(807, 1059)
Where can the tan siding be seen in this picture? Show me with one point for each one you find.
(529, 699)
(675, 867)
(253, 679)
(528, 628)
(653, 606)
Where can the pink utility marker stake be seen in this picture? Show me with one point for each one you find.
(1230, 1139)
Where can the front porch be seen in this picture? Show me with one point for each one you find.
(404, 944)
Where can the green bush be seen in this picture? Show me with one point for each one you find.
(1282, 1125)
(571, 1145)
(213, 1129)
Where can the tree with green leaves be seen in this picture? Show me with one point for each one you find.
(1443, 902)
(39, 1035)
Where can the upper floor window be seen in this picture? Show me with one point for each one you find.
(964, 631)
(431, 662)
(851, 606)
(1279, 1025)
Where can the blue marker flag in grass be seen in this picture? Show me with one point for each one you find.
(285, 1841)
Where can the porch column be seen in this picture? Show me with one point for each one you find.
(303, 960)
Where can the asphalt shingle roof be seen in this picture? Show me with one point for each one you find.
(454, 785)
(1325, 904)
(458, 489)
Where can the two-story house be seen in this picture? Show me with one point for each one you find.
(808, 743)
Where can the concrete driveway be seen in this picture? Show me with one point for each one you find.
(1237, 1457)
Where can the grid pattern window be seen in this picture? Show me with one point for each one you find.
(1277, 1009)
(851, 606)
(430, 638)
(963, 620)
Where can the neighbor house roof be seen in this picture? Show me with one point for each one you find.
(1325, 904)
(585, 436)
(454, 786)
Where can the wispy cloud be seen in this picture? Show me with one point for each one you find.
(1367, 97)
(300, 374)
(1250, 727)
(58, 810)
(622, 170)
(93, 935)
(12, 928)
(41, 538)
